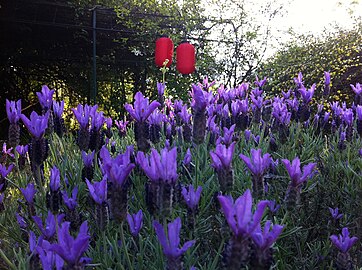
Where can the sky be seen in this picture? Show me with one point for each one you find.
(314, 15)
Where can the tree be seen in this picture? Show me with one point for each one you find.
(339, 52)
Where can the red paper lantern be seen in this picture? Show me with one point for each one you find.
(163, 51)
(186, 58)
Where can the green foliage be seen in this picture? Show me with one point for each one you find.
(339, 53)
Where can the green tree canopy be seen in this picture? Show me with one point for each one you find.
(340, 53)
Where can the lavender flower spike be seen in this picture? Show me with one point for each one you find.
(257, 164)
(188, 158)
(343, 242)
(170, 244)
(71, 202)
(13, 111)
(161, 88)
(82, 114)
(88, 158)
(4, 172)
(335, 213)
(98, 190)
(264, 239)
(295, 173)
(357, 89)
(37, 124)
(58, 108)
(69, 248)
(222, 156)
(307, 95)
(239, 214)
(141, 109)
(327, 78)
(45, 97)
(135, 222)
(49, 229)
(29, 193)
(54, 179)
(159, 166)
(191, 196)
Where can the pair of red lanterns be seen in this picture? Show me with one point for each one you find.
(185, 55)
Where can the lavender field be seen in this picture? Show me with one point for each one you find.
(230, 179)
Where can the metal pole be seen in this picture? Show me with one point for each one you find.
(94, 95)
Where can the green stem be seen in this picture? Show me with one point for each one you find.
(125, 248)
(6, 260)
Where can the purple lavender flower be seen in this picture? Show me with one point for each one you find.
(135, 222)
(161, 88)
(13, 111)
(116, 170)
(98, 190)
(357, 89)
(49, 228)
(109, 122)
(239, 215)
(212, 126)
(122, 126)
(206, 84)
(71, 202)
(4, 172)
(299, 80)
(45, 97)
(159, 166)
(141, 109)
(199, 102)
(359, 112)
(191, 196)
(222, 156)
(264, 239)
(295, 174)
(188, 158)
(335, 213)
(58, 108)
(69, 248)
(29, 193)
(247, 134)
(7, 151)
(307, 95)
(22, 149)
(257, 164)
(257, 102)
(97, 119)
(184, 115)
(21, 221)
(343, 242)
(156, 117)
(170, 244)
(88, 158)
(228, 136)
(37, 124)
(327, 78)
(54, 179)
(286, 95)
(360, 152)
(281, 113)
(33, 242)
(49, 259)
(260, 83)
(273, 206)
(347, 116)
(82, 114)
